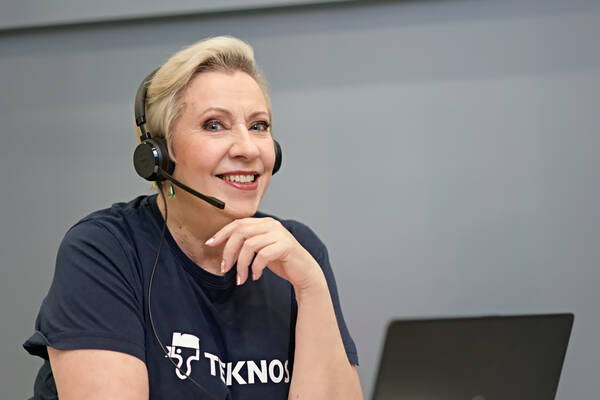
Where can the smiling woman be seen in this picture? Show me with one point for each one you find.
(246, 302)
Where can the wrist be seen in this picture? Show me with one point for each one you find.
(313, 286)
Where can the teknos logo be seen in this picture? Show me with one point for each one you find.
(241, 372)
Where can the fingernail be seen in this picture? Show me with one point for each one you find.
(209, 241)
(222, 266)
(238, 281)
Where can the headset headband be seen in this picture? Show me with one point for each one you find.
(140, 105)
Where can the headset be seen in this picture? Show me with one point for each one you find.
(151, 158)
(152, 162)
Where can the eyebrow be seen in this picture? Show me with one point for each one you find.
(228, 113)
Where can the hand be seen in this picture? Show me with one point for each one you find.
(274, 246)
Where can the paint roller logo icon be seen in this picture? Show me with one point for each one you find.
(179, 342)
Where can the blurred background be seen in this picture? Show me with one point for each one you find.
(446, 151)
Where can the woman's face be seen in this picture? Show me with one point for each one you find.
(222, 142)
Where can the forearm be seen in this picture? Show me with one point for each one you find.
(321, 366)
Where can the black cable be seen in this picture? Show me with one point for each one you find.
(162, 237)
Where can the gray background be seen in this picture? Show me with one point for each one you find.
(446, 152)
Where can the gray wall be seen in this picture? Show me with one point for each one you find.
(17, 14)
(446, 151)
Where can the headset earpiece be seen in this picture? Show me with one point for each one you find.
(278, 156)
(150, 157)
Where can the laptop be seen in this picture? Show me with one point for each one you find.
(481, 358)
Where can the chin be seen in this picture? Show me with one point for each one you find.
(238, 211)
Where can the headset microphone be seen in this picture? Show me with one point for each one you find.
(210, 200)
(151, 157)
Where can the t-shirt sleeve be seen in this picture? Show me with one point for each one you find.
(318, 250)
(96, 298)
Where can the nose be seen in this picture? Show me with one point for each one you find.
(244, 145)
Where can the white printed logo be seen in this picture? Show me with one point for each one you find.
(185, 346)
(179, 342)
(234, 372)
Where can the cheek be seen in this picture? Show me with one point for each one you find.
(197, 155)
(268, 156)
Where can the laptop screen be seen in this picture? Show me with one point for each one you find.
(481, 358)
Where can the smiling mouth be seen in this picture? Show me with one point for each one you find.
(243, 179)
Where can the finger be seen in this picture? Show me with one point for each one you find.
(249, 250)
(223, 233)
(265, 256)
(231, 250)
(236, 240)
(250, 227)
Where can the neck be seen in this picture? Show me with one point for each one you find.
(192, 222)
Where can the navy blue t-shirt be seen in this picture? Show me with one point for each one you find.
(237, 342)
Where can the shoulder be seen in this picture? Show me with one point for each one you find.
(122, 213)
(119, 221)
(107, 237)
(303, 234)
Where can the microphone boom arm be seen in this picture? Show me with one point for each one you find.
(210, 200)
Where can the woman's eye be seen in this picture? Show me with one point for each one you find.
(260, 126)
(213, 125)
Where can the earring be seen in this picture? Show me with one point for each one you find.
(171, 192)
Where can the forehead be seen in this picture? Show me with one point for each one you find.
(231, 90)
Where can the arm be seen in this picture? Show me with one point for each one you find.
(94, 313)
(321, 367)
(98, 375)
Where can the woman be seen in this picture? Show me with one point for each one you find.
(245, 304)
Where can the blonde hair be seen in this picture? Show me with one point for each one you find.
(163, 99)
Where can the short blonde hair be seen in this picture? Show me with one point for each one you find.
(163, 99)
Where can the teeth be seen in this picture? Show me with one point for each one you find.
(239, 178)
